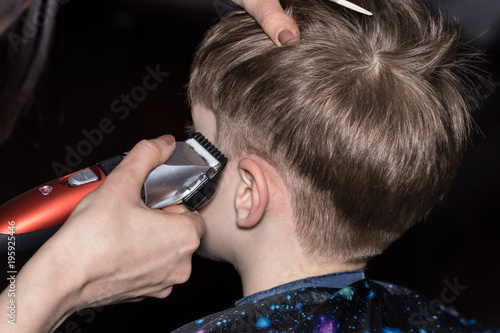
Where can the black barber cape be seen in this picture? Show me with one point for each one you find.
(341, 302)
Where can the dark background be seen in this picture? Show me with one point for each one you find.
(101, 50)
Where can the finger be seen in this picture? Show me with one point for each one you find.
(129, 176)
(193, 217)
(175, 209)
(279, 26)
(197, 222)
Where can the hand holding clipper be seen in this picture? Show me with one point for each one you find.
(189, 176)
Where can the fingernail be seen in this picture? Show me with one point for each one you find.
(286, 37)
(168, 139)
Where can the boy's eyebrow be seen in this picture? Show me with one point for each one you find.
(352, 6)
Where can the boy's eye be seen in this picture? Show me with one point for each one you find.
(189, 128)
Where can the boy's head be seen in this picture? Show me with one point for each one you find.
(365, 118)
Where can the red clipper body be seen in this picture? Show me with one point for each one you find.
(50, 205)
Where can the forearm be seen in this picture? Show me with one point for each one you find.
(45, 294)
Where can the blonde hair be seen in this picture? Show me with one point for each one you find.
(366, 117)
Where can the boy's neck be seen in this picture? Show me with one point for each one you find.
(283, 262)
(264, 278)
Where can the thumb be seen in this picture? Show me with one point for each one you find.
(278, 25)
(128, 177)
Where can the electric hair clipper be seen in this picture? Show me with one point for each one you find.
(190, 176)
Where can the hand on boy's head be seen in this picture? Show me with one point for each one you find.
(280, 27)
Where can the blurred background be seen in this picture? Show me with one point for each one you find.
(100, 53)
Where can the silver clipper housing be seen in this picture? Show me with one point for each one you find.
(190, 175)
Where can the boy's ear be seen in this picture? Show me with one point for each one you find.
(252, 194)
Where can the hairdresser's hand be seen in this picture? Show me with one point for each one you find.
(280, 27)
(112, 249)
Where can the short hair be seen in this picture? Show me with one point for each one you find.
(365, 117)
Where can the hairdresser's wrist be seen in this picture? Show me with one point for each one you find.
(46, 293)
